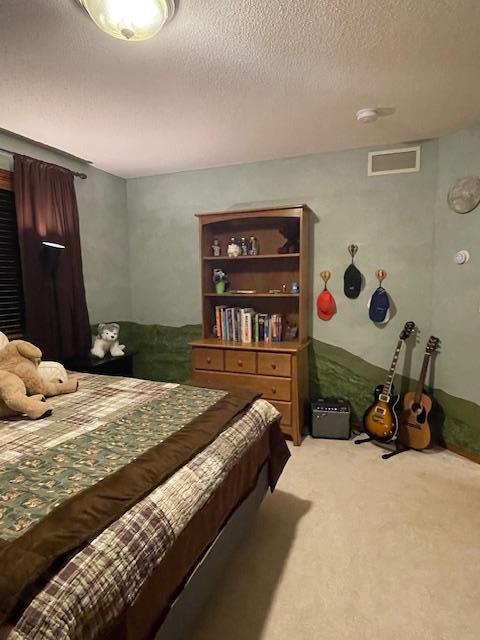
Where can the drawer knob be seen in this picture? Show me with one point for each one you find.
(240, 363)
(274, 366)
(209, 360)
(274, 391)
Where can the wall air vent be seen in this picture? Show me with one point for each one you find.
(404, 160)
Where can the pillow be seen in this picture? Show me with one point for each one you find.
(52, 371)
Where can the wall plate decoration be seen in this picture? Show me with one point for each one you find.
(464, 194)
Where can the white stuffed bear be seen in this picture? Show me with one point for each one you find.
(107, 341)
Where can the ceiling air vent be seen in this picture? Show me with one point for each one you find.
(405, 160)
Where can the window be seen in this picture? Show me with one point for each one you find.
(11, 293)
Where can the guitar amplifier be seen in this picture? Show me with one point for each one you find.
(331, 418)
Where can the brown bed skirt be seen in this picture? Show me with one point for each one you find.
(141, 620)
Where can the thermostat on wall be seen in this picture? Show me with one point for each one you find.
(462, 257)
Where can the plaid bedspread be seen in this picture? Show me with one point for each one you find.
(87, 593)
(92, 433)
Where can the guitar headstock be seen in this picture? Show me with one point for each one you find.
(432, 345)
(407, 330)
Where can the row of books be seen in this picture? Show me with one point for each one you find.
(245, 325)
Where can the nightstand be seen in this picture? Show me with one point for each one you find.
(108, 366)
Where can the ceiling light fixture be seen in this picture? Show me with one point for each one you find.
(132, 20)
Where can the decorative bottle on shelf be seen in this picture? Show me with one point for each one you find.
(244, 247)
(233, 249)
(216, 248)
(254, 247)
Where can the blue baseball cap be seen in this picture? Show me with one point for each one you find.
(379, 306)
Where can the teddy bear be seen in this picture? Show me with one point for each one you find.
(14, 400)
(51, 371)
(22, 388)
(107, 341)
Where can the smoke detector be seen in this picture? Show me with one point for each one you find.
(370, 114)
(367, 115)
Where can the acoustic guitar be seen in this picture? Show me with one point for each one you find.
(416, 428)
(380, 420)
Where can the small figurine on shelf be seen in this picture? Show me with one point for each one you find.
(244, 247)
(220, 280)
(216, 248)
(254, 248)
(291, 332)
(289, 230)
(233, 249)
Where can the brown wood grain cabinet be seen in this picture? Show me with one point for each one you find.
(278, 370)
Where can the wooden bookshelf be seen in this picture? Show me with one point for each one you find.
(278, 369)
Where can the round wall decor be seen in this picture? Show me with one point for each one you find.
(464, 194)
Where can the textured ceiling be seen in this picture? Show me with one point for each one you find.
(229, 82)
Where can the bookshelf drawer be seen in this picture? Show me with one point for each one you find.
(274, 364)
(273, 388)
(270, 388)
(285, 408)
(241, 361)
(207, 359)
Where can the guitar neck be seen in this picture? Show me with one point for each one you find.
(387, 387)
(421, 381)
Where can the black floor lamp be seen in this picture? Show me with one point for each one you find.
(51, 255)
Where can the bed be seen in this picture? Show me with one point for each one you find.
(116, 511)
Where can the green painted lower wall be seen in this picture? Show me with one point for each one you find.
(334, 371)
(163, 353)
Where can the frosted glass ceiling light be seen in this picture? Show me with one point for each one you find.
(130, 19)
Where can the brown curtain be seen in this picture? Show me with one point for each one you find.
(56, 315)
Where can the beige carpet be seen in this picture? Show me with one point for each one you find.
(354, 547)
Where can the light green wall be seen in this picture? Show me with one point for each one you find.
(456, 297)
(140, 246)
(103, 228)
(389, 217)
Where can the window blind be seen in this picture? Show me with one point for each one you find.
(11, 292)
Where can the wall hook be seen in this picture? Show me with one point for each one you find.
(380, 274)
(352, 250)
(325, 275)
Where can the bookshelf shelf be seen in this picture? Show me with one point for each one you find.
(284, 346)
(269, 256)
(251, 295)
(277, 370)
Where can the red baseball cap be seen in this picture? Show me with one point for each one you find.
(326, 305)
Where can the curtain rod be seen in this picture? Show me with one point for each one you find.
(77, 174)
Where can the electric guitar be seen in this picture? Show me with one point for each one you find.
(380, 420)
(416, 429)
